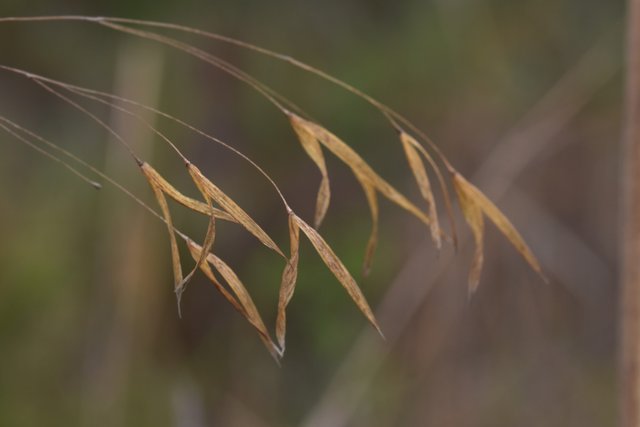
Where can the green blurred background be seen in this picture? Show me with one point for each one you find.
(523, 97)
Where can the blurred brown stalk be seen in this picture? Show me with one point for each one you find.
(630, 235)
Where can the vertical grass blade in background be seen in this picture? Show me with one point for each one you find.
(630, 232)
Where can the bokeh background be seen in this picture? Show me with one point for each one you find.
(523, 97)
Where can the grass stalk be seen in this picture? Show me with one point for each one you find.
(630, 232)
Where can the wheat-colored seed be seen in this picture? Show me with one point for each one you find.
(362, 170)
(196, 253)
(420, 174)
(242, 300)
(188, 202)
(338, 269)
(208, 240)
(372, 242)
(314, 150)
(288, 284)
(370, 181)
(473, 215)
(160, 186)
(162, 201)
(232, 208)
(470, 195)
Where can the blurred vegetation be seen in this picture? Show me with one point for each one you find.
(89, 333)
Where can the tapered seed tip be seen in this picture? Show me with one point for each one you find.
(96, 185)
(377, 327)
(545, 279)
(279, 349)
(178, 301)
(366, 270)
(276, 354)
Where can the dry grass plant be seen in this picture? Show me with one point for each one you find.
(423, 156)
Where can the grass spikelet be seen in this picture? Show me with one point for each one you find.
(420, 173)
(471, 195)
(338, 269)
(372, 243)
(231, 207)
(207, 245)
(314, 150)
(361, 169)
(288, 284)
(473, 215)
(370, 181)
(242, 300)
(175, 253)
(188, 202)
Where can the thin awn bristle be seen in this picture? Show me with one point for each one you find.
(198, 53)
(79, 89)
(91, 168)
(214, 60)
(51, 156)
(134, 115)
(91, 115)
(387, 111)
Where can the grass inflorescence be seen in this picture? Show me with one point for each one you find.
(423, 156)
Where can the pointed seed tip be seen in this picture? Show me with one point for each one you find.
(473, 288)
(179, 292)
(380, 332)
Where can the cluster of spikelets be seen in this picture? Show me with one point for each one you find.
(315, 140)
